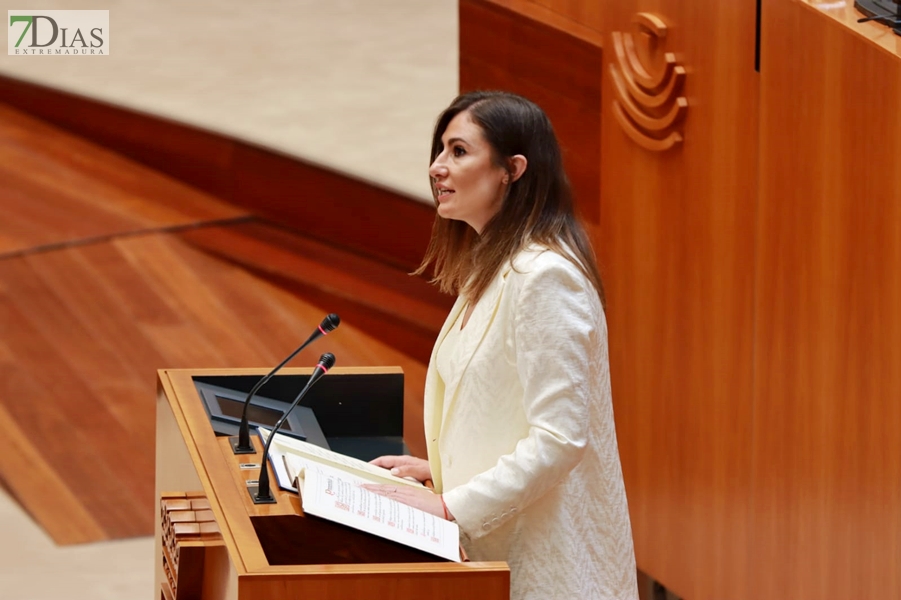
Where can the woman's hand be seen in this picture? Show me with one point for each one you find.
(405, 466)
(420, 498)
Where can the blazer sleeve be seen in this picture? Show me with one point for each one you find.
(555, 332)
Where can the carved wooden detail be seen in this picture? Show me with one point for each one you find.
(646, 85)
(188, 529)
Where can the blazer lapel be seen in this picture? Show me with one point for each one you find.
(474, 332)
(433, 405)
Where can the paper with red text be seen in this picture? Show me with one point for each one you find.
(337, 496)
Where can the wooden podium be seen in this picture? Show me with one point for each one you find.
(213, 542)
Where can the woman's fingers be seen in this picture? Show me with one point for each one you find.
(405, 466)
(416, 497)
(386, 462)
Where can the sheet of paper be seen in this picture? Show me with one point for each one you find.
(277, 456)
(336, 495)
(283, 444)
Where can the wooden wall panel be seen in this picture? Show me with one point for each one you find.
(318, 202)
(110, 270)
(518, 47)
(58, 188)
(677, 250)
(85, 329)
(200, 158)
(333, 207)
(827, 423)
(753, 291)
(588, 13)
(385, 302)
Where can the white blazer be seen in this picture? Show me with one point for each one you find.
(522, 442)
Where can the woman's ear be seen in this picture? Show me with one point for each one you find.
(517, 166)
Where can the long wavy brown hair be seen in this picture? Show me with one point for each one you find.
(537, 207)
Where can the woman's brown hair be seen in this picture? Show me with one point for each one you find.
(537, 207)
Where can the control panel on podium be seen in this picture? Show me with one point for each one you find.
(213, 541)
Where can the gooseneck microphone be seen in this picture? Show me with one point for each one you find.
(263, 495)
(889, 19)
(243, 446)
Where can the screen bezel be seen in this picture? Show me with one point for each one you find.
(211, 394)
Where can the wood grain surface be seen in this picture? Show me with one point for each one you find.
(675, 237)
(827, 423)
(518, 46)
(59, 188)
(677, 250)
(751, 278)
(110, 271)
(333, 207)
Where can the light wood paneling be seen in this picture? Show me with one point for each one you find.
(59, 188)
(87, 329)
(332, 207)
(827, 465)
(677, 253)
(848, 16)
(589, 13)
(386, 302)
(674, 236)
(23, 459)
(516, 46)
(96, 294)
(752, 302)
(197, 157)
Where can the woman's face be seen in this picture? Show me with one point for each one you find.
(468, 186)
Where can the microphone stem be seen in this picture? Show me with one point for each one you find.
(244, 427)
(263, 492)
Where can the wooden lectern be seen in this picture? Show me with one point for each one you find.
(213, 542)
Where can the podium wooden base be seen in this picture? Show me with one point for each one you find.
(273, 550)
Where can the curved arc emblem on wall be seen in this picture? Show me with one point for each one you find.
(646, 85)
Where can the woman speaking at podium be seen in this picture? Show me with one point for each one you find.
(518, 416)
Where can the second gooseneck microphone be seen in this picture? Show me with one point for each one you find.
(263, 495)
(242, 445)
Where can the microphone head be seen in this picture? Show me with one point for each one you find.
(327, 361)
(330, 323)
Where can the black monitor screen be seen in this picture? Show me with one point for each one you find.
(255, 414)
